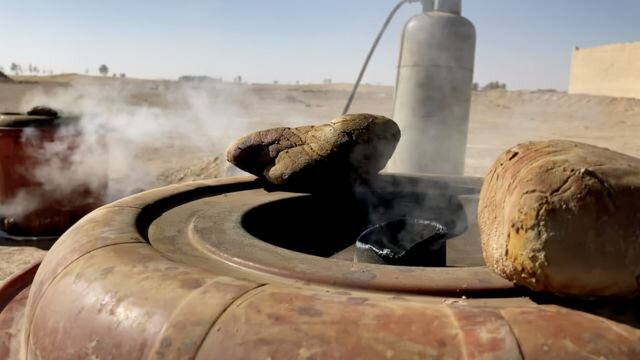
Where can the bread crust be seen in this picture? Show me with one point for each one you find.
(359, 144)
(563, 217)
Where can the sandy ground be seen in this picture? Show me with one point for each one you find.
(499, 119)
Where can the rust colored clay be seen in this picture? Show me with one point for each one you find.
(173, 273)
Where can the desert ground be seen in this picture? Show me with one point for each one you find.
(166, 132)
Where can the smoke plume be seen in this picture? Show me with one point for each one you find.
(139, 134)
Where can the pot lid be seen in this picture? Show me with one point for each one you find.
(39, 116)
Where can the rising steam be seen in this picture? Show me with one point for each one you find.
(142, 134)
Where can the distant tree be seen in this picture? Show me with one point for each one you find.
(104, 70)
(15, 68)
(30, 69)
(495, 85)
(123, 75)
(36, 70)
(1, 68)
(475, 86)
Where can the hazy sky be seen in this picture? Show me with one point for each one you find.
(525, 43)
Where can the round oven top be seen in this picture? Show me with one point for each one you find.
(255, 233)
(226, 268)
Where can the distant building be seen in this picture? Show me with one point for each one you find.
(609, 70)
(327, 81)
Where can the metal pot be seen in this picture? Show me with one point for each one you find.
(29, 208)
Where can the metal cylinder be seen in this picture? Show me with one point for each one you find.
(433, 91)
(428, 5)
(450, 6)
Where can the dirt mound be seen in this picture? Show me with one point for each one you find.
(4, 78)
